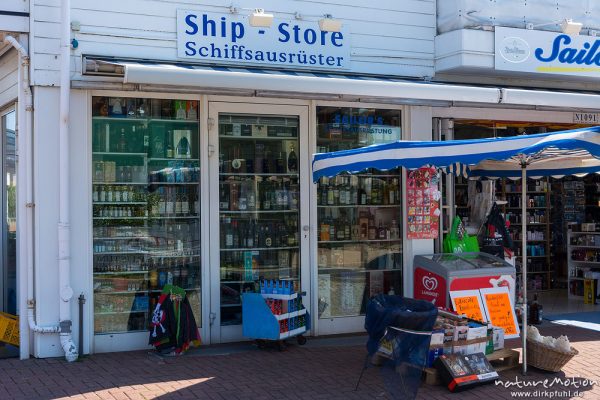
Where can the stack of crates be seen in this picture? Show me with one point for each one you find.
(9, 329)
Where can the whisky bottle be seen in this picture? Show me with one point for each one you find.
(228, 234)
(185, 203)
(330, 195)
(250, 195)
(268, 237)
(381, 231)
(243, 198)
(109, 194)
(292, 162)
(95, 193)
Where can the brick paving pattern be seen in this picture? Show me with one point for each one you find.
(310, 372)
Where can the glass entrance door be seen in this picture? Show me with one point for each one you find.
(259, 218)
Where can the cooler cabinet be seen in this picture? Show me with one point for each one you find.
(435, 275)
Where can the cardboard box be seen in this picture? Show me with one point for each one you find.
(337, 258)
(323, 257)
(460, 340)
(477, 339)
(448, 338)
(460, 372)
(436, 346)
(352, 257)
(110, 171)
(498, 338)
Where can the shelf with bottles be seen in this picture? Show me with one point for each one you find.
(353, 190)
(257, 194)
(259, 234)
(349, 241)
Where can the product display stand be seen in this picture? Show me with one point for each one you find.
(274, 317)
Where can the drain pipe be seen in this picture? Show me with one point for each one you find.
(64, 228)
(25, 143)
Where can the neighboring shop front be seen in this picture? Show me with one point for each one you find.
(557, 256)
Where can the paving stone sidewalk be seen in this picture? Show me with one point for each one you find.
(323, 369)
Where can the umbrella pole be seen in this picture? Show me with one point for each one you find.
(524, 262)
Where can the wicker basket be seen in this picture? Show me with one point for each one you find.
(547, 358)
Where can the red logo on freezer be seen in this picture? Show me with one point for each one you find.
(430, 283)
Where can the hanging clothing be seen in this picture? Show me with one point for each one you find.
(173, 327)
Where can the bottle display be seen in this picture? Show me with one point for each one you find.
(259, 197)
(145, 205)
(359, 215)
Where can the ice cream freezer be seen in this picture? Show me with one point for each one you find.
(435, 275)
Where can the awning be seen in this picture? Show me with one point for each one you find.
(320, 85)
(555, 154)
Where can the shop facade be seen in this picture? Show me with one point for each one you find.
(189, 145)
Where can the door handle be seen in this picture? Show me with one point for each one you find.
(306, 228)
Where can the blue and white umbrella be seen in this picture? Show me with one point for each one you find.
(557, 154)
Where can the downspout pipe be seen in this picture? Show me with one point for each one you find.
(64, 228)
(26, 145)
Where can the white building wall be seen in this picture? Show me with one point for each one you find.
(387, 37)
(8, 77)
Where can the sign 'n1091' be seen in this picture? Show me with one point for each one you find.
(230, 39)
(543, 52)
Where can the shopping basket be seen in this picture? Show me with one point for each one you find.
(9, 329)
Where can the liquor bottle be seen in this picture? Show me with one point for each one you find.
(375, 192)
(280, 163)
(347, 229)
(179, 110)
(178, 201)
(332, 230)
(122, 145)
(381, 234)
(196, 203)
(228, 234)
(233, 197)
(223, 197)
(324, 230)
(354, 190)
(266, 192)
(251, 195)
(385, 193)
(372, 233)
(392, 192)
(285, 197)
(109, 194)
(95, 194)
(243, 197)
(107, 138)
(268, 241)
(293, 195)
(341, 190)
(236, 235)
(250, 234)
(394, 230)
(169, 146)
(102, 194)
(362, 194)
(336, 191)
(330, 194)
(169, 204)
(117, 194)
(292, 162)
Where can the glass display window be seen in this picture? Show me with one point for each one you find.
(359, 215)
(146, 207)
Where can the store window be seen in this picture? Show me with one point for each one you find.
(146, 208)
(359, 215)
(9, 231)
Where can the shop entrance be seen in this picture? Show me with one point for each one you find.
(259, 206)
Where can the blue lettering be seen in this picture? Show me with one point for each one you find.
(555, 48)
(203, 51)
(335, 36)
(310, 36)
(286, 35)
(282, 57)
(567, 55)
(223, 27)
(337, 119)
(248, 55)
(237, 31)
(296, 29)
(205, 25)
(191, 24)
(190, 51)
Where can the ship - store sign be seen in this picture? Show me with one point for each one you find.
(541, 52)
(230, 39)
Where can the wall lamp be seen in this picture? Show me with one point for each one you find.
(260, 19)
(328, 24)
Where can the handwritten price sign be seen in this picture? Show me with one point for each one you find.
(468, 302)
(499, 307)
